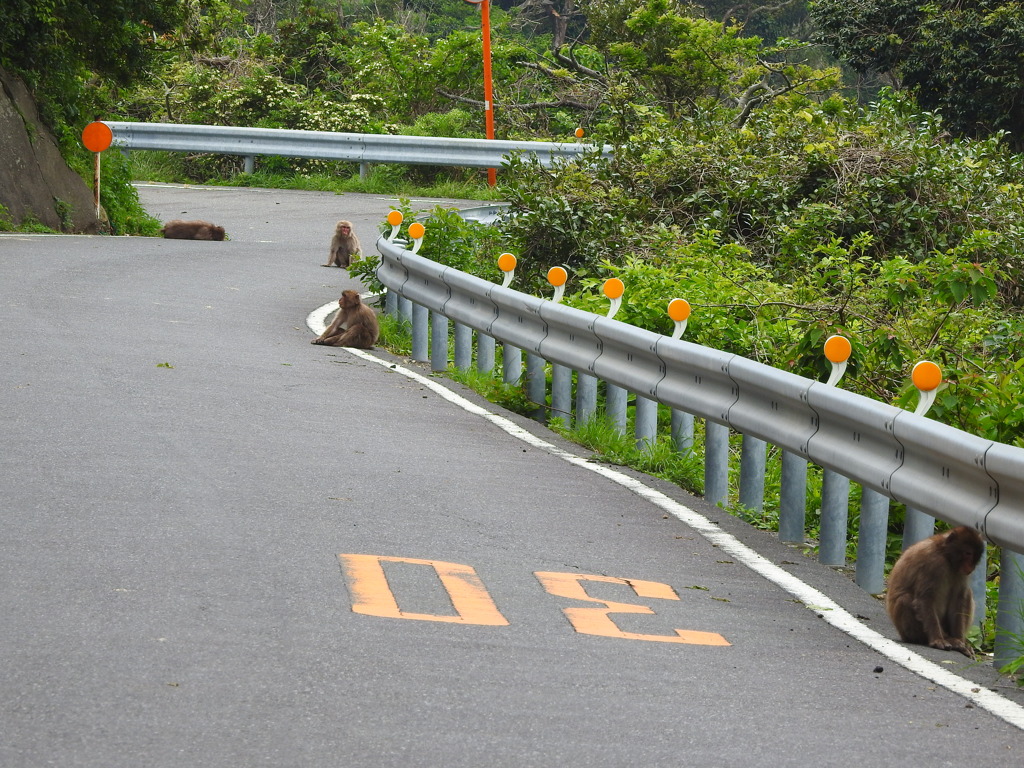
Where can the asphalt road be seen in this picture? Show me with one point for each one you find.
(221, 545)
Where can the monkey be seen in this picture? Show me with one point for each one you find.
(360, 322)
(929, 598)
(192, 230)
(344, 246)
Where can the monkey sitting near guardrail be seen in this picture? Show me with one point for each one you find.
(929, 598)
(358, 320)
(192, 230)
(345, 246)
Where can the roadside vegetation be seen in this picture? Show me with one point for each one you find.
(788, 174)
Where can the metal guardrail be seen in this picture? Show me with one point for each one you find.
(933, 468)
(362, 148)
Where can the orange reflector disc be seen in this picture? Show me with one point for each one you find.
(838, 349)
(926, 376)
(97, 136)
(679, 310)
(506, 262)
(557, 276)
(613, 288)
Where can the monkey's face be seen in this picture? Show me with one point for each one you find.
(969, 563)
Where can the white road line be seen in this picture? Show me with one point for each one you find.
(817, 601)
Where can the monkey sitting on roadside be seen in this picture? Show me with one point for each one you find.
(358, 320)
(929, 598)
(192, 230)
(344, 246)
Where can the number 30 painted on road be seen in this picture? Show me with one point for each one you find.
(372, 596)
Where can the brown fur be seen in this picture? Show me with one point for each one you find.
(345, 246)
(358, 320)
(192, 230)
(929, 598)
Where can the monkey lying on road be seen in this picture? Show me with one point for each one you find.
(192, 230)
(358, 320)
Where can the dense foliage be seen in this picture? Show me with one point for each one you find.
(872, 224)
(962, 59)
(59, 45)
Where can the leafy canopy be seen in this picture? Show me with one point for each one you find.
(963, 60)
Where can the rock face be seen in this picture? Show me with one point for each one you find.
(34, 178)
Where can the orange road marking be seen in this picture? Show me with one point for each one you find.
(595, 621)
(371, 594)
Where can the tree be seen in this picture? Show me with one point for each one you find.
(687, 64)
(963, 60)
(56, 45)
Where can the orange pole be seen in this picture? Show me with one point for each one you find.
(485, 20)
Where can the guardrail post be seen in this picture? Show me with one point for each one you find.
(364, 171)
(835, 512)
(615, 397)
(835, 489)
(511, 363)
(646, 422)
(438, 342)
(979, 588)
(391, 303)
(874, 528)
(511, 356)
(463, 347)
(793, 498)
(682, 430)
(250, 164)
(682, 422)
(420, 339)
(716, 462)
(1010, 615)
(615, 400)
(536, 384)
(561, 393)
(586, 397)
(561, 377)
(405, 309)
(927, 377)
(917, 526)
(752, 466)
(484, 353)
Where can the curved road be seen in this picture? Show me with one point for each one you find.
(221, 545)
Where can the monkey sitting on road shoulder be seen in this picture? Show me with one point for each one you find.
(192, 230)
(358, 320)
(929, 598)
(345, 246)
